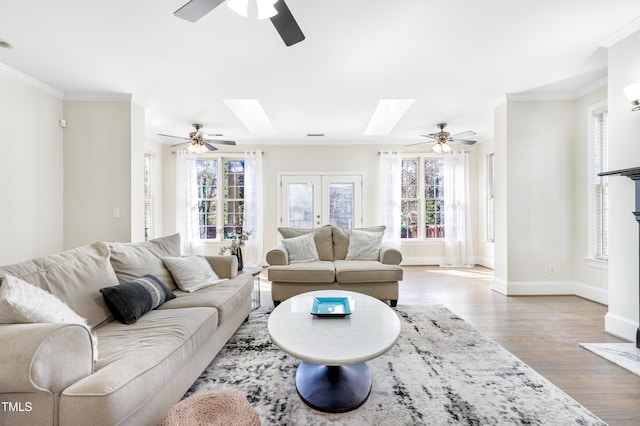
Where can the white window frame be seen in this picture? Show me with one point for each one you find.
(490, 188)
(594, 258)
(148, 198)
(421, 157)
(220, 199)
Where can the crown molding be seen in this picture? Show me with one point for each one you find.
(621, 34)
(598, 84)
(30, 81)
(559, 96)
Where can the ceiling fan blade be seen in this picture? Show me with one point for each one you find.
(181, 143)
(430, 135)
(286, 24)
(221, 142)
(419, 143)
(464, 141)
(196, 9)
(171, 136)
(464, 134)
(209, 146)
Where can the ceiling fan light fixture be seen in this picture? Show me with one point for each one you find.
(197, 148)
(241, 7)
(632, 92)
(441, 148)
(265, 8)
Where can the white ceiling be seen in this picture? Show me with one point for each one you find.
(456, 58)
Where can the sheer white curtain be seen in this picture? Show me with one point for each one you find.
(252, 219)
(457, 212)
(389, 196)
(187, 201)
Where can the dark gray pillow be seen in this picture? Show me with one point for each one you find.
(129, 301)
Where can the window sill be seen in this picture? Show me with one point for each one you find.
(597, 263)
(411, 241)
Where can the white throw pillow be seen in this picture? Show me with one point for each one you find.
(302, 248)
(364, 245)
(21, 302)
(191, 273)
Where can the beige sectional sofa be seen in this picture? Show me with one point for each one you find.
(377, 278)
(46, 369)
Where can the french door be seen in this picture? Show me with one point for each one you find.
(310, 201)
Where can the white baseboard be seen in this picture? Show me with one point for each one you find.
(485, 261)
(620, 326)
(545, 288)
(439, 260)
(422, 261)
(500, 286)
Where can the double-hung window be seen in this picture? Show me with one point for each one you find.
(491, 211)
(220, 197)
(148, 217)
(600, 187)
(422, 198)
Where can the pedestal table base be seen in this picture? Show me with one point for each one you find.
(333, 389)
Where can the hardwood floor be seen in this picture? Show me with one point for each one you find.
(543, 331)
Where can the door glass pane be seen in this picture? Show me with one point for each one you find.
(300, 205)
(341, 204)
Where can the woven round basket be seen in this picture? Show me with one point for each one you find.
(215, 408)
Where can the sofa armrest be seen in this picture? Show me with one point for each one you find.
(49, 357)
(390, 256)
(224, 266)
(278, 256)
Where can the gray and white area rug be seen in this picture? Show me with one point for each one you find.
(442, 371)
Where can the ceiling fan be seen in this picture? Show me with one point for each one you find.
(442, 139)
(199, 141)
(282, 20)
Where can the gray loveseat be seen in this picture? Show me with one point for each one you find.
(46, 369)
(377, 278)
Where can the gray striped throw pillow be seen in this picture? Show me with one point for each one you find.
(302, 248)
(364, 245)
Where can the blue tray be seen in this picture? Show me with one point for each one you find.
(331, 307)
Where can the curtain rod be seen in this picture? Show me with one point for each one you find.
(228, 153)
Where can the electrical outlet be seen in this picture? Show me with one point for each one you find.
(552, 269)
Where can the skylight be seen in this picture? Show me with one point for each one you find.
(386, 116)
(252, 115)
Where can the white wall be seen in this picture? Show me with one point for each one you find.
(624, 152)
(542, 203)
(587, 272)
(103, 169)
(31, 175)
(501, 256)
(310, 158)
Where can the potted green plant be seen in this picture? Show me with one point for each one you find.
(237, 242)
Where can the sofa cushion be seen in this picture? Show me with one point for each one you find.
(311, 272)
(226, 297)
(366, 271)
(364, 245)
(129, 301)
(322, 236)
(301, 249)
(341, 239)
(21, 302)
(133, 260)
(73, 276)
(191, 273)
(137, 360)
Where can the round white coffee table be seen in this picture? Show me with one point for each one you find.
(333, 376)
